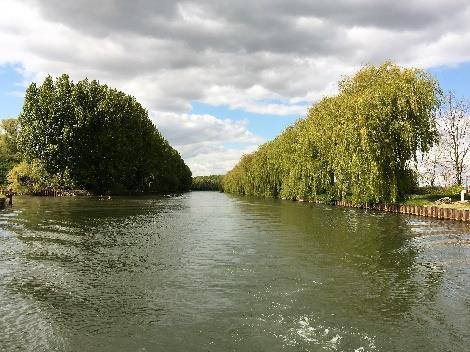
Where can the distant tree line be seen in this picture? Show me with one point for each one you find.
(89, 136)
(207, 183)
(360, 145)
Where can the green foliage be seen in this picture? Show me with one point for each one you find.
(358, 145)
(5, 166)
(99, 136)
(27, 178)
(440, 191)
(32, 178)
(428, 195)
(207, 183)
(9, 153)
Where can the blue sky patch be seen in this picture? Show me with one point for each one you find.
(11, 91)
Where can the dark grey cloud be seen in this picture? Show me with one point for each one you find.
(244, 27)
(241, 43)
(162, 18)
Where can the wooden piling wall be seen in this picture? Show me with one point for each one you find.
(417, 210)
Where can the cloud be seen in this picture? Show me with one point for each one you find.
(202, 140)
(217, 160)
(267, 57)
(185, 129)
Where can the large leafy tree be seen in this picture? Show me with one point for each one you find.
(99, 137)
(359, 144)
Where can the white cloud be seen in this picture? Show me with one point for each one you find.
(202, 140)
(217, 160)
(185, 129)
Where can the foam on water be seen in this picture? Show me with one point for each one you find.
(307, 332)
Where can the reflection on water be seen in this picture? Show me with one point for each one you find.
(211, 272)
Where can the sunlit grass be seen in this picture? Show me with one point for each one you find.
(432, 195)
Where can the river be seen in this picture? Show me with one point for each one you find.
(206, 271)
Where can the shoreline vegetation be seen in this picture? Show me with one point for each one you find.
(358, 145)
(86, 136)
(423, 204)
(207, 183)
(430, 211)
(358, 148)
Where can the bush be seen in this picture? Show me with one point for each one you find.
(32, 178)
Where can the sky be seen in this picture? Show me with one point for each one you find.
(221, 77)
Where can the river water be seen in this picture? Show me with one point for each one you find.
(206, 271)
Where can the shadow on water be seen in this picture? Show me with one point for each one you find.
(81, 261)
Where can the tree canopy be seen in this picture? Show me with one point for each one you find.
(99, 137)
(358, 145)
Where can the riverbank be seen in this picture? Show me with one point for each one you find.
(430, 211)
(433, 202)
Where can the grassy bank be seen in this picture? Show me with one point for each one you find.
(427, 196)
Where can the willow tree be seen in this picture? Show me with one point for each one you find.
(359, 144)
(390, 115)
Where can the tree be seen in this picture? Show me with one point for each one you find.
(9, 153)
(100, 137)
(454, 121)
(432, 168)
(360, 144)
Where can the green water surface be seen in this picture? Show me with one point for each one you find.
(206, 271)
